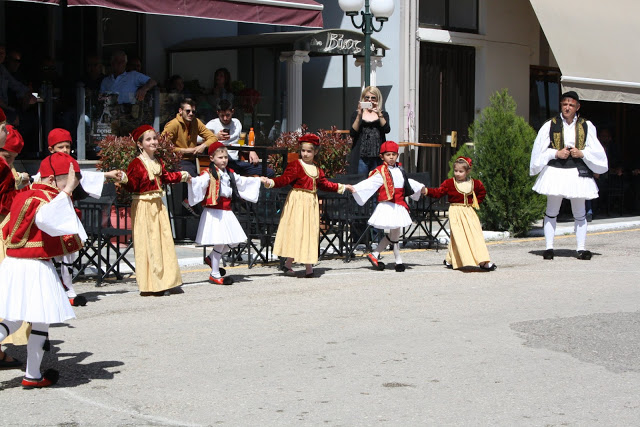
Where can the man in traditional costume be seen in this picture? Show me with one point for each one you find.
(566, 154)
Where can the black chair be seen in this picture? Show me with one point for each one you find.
(260, 221)
(108, 242)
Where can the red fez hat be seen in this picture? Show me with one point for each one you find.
(136, 134)
(466, 159)
(389, 146)
(59, 135)
(58, 164)
(14, 143)
(3, 117)
(213, 147)
(310, 138)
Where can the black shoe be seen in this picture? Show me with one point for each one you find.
(585, 255)
(5, 364)
(400, 268)
(548, 254)
(492, 267)
(78, 301)
(446, 264)
(589, 217)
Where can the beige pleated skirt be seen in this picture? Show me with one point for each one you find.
(299, 228)
(156, 261)
(467, 247)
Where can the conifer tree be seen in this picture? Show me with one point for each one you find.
(503, 144)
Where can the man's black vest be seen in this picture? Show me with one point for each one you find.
(556, 138)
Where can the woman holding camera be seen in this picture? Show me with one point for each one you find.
(369, 126)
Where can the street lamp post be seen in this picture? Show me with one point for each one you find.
(381, 9)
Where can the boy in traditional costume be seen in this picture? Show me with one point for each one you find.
(390, 181)
(42, 224)
(217, 188)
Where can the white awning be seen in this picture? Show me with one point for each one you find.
(596, 45)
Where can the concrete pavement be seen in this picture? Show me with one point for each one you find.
(533, 343)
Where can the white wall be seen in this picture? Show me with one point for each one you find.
(322, 77)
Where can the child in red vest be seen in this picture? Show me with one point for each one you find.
(42, 224)
(467, 247)
(157, 269)
(217, 187)
(299, 228)
(392, 212)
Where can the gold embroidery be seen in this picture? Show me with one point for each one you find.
(152, 166)
(312, 168)
(580, 134)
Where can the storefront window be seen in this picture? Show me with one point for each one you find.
(544, 95)
(456, 15)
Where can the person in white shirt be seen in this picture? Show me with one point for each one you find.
(566, 154)
(227, 129)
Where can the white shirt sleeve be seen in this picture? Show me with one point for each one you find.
(367, 188)
(92, 182)
(417, 189)
(541, 153)
(58, 218)
(248, 187)
(595, 157)
(198, 189)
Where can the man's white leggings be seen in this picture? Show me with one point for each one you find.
(579, 216)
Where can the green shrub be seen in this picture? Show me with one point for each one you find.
(503, 144)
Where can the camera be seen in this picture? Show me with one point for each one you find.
(367, 105)
(225, 131)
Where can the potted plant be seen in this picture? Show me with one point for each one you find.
(332, 158)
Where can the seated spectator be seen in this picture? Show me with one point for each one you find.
(227, 130)
(129, 85)
(221, 86)
(134, 64)
(19, 91)
(94, 73)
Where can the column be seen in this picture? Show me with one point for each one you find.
(376, 62)
(294, 61)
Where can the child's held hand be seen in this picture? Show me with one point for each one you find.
(264, 180)
(350, 188)
(72, 181)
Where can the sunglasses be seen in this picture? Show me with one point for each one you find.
(370, 98)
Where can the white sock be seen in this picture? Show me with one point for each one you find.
(216, 256)
(394, 236)
(580, 224)
(382, 245)
(10, 326)
(551, 219)
(35, 352)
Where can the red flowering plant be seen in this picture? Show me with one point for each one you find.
(332, 157)
(116, 152)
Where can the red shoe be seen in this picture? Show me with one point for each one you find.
(49, 378)
(78, 301)
(221, 280)
(374, 261)
(207, 261)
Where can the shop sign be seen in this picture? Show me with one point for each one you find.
(337, 42)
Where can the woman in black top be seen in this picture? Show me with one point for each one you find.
(368, 129)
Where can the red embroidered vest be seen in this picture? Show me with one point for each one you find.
(213, 199)
(24, 239)
(388, 193)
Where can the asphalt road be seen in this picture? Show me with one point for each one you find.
(534, 343)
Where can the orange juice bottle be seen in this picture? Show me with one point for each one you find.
(252, 137)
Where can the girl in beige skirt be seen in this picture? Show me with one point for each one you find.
(299, 230)
(157, 270)
(467, 247)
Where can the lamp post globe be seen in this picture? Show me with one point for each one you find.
(351, 7)
(382, 9)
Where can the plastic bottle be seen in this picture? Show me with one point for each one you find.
(252, 137)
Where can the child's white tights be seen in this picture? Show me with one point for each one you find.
(216, 256)
(392, 237)
(35, 345)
